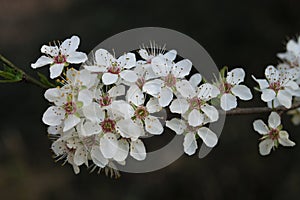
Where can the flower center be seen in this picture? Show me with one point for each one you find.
(70, 108)
(108, 125)
(105, 101)
(114, 68)
(276, 86)
(140, 82)
(274, 134)
(141, 112)
(170, 80)
(195, 103)
(60, 59)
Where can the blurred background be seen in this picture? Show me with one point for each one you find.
(235, 33)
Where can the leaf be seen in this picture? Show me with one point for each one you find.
(44, 80)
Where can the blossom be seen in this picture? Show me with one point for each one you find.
(272, 135)
(59, 57)
(279, 87)
(114, 69)
(180, 126)
(292, 54)
(231, 88)
(194, 103)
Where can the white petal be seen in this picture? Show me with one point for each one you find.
(144, 54)
(274, 120)
(185, 89)
(89, 128)
(127, 61)
(268, 95)
(176, 125)
(179, 106)
(284, 139)
(195, 118)
(109, 145)
(235, 76)
(55, 95)
(190, 143)
(85, 96)
(80, 156)
(50, 50)
(284, 98)
(70, 45)
(211, 112)
(228, 102)
(135, 95)
(265, 147)
(195, 80)
(94, 112)
(153, 105)
(56, 70)
(129, 76)
(53, 116)
(97, 157)
(109, 78)
(165, 97)
(104, 58)
(182, 68)
(122, 109)
(208, 91)
(42, 61)
(153, 87)
(170, 55)
(137, 150)
(153, 125)
(130, 129)
(116, 91)
(242, 91)
(272, 73)
(161, 66)
(95, 68)
(260, 127)
(77, 57)
(59, 147)
(54, 130)
(123, 149)
(70, 122)
(263, 83)
(208, 137)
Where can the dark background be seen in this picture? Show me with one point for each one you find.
(234, 32)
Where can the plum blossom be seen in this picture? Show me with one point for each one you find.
(114, 69)
(180, 126)
(292, 54)
(231, 88)
(60, 56)
(279, 87)
(272, 134)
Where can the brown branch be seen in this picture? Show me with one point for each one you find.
(259, 110)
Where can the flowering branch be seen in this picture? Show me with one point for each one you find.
(12, 73)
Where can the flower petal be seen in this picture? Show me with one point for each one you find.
(195, 80)
(161, 66)
(109, 145)
(170, 55)
(153, 105)
(42, 61)
(56, 70)
(127, 61)
(182, 68)
(165, 97)
(129, 76)
(69, 45)
(80, 156)
(209, 138)
(242, 91)
(85, 96)
(185, 89)
(235, 76)
(190, 143)
(109, 78)
(135, 95)
(94, 112)
(104, 58)
(268, 95)
(116, 91)
(89, 128)
(195, 118)
(285, 98)
(260, 127)
(153, 125)
(265, 147)
(50, 50)
(284, 139)
(97, 157)
(228, 101)
(211, 112)
(177, 125)
(123, 149)
(179, 106)
(208, 91)
(263, 83)
(130, 129)
(153, 87)
(137, 150)
(53, 116)
(70, 122)
(77, 57)
(274, 120)
(272, 73)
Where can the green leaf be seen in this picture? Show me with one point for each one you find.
(44, 80)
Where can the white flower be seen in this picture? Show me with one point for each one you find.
(272, 135)
(230, 89)
(292, 54)
(59, 57)
(279, 87)
(208, 137)
(114, 69)
(170, 73)
(193, 103)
